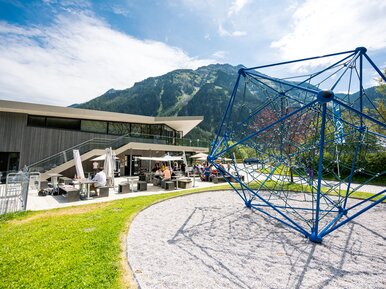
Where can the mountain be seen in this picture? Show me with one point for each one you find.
(205, 91)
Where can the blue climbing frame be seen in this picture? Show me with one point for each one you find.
(296, 128)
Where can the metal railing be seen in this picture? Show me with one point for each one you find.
(13, 195)
(67, 155)
(100, 143)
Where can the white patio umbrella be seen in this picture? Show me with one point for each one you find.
(199, 156)
(109, 166)
(78, 164)
(184, 158)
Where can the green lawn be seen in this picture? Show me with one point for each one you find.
(76, 247)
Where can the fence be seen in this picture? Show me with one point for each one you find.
(14, 194)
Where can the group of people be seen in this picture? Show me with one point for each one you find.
(207, 171)
(162, 172)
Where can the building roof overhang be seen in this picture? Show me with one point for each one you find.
(179, 123)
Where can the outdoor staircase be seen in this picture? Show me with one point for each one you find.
(64, 160)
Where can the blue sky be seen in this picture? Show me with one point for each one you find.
(64, 52)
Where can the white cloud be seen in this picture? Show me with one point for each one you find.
(78, 58)
(320, 26)
(220, 54)
(223, 32)
(237, 6)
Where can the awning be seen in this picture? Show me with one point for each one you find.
(102, 158)
(166, 158)
(199, 156)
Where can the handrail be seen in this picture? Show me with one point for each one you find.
(69, 149)
(94, 143)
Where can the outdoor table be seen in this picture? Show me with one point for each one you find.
(55, 183)
(132, 181)
(177, 177)
(88, 183)
(149, 177)
(54, 179)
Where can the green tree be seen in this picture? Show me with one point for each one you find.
(382, 85)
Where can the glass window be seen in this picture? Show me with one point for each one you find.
(94, 126)
(34, 120)
(119, 128)
(145, 129)
(135, 129)
(64, 123)
(156, 129)
(167, 131)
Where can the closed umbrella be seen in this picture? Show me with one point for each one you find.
(109, 166)
(78, 164)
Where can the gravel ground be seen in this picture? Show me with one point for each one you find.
(211, 240)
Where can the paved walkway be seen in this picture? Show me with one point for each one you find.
(35, 203)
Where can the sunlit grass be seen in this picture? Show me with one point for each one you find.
(78, 247)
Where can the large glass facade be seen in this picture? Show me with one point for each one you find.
(94, 126)
(119, 128)
(63, 123)
(156, 131)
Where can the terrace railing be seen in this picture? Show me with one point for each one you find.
(102, 143)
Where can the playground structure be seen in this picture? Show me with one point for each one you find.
(303, 139)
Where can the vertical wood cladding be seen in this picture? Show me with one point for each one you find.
(35, 143)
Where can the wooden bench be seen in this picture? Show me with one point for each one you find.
(219, 179)
(142, 186)
(102, 192)
(169, 185)
(185, 183)
(123, 188)
(69, 193)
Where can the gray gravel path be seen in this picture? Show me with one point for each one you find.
(211, 240)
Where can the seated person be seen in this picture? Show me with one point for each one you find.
(156, 167)
(99, 179)
(158, 174)
(167, 176)
(207, 172)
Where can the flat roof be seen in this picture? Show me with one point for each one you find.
(179, 123)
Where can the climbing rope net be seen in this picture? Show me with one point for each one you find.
(305, 141)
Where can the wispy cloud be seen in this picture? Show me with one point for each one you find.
(237, 6)
(78, 58)
(220, 54)
(320, 26)
(223, 32)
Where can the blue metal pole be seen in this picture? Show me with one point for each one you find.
(375, 67)
(361, 88)
(299, 60)
(284, 82)
(314, 234)
(344, 72)
(360, 113)
(320, 72)
(228, 107)
(354, 216)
